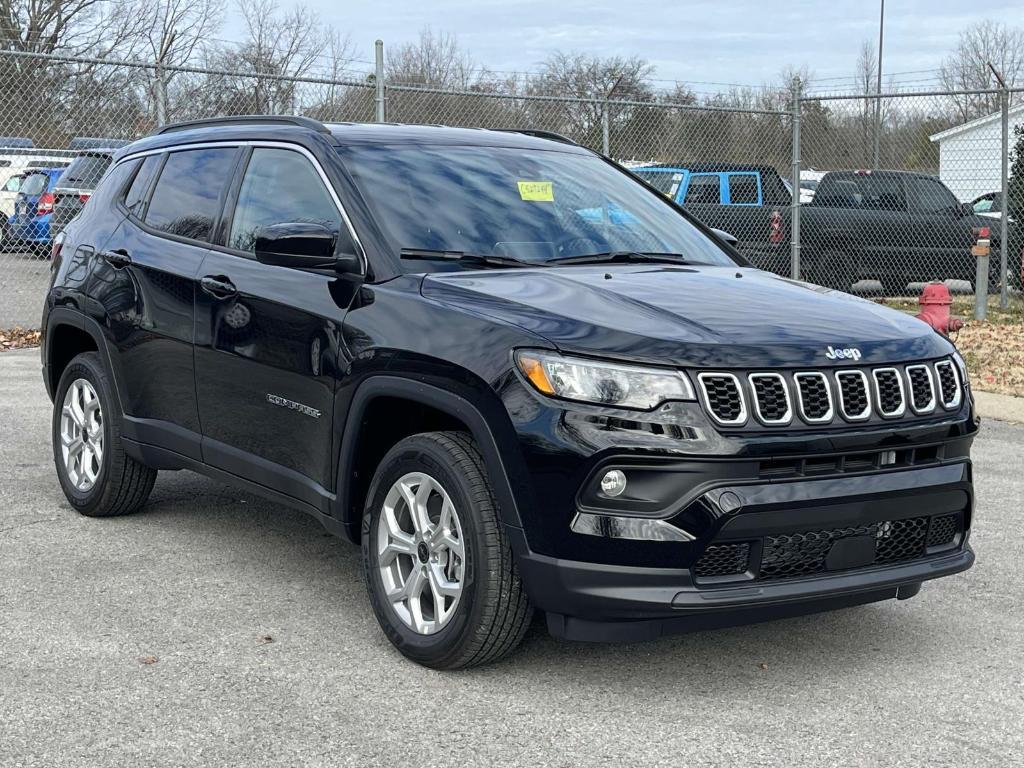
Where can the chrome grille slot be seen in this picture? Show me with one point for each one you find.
(771, 399)
(889, 394)
(814, 397)
(854, 395)
(723, 398)
(949, 384)
(922, 388)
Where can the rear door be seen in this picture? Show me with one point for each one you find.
(267, 337)
(145, 281)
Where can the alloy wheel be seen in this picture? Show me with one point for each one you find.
(421, 553)
(81, 435)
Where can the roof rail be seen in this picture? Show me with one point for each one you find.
(551, 135)
(210, 122)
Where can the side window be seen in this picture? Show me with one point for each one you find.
(135, 196)
(743, 189)
(13, 184)
(704, 189)
(185, 201)
(280, 186)
(930, 196)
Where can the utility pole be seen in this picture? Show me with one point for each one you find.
(878, 86)
(380, 95)
(606, 119)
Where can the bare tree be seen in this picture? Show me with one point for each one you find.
(584, 76)
(966, 68)
(435, 59)
(74, 27)
(277, 47)
(173, 32)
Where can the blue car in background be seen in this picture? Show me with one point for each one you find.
(33, 208)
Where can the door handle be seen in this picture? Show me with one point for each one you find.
(118, 258)
(218, 286)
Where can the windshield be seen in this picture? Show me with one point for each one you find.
(531, 205)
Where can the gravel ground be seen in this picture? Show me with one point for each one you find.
(23, 281)
(215, 628)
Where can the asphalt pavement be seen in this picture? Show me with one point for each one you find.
(215, 628)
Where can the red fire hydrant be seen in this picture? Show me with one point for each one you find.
(935, 302)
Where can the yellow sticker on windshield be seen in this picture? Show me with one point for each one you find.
(537, 191)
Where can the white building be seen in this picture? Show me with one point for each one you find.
(970, 160)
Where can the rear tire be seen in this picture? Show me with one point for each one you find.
(97, 477)
(445, 590)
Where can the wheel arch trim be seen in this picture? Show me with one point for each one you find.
(454, 405)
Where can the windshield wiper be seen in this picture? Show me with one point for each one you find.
(620, 256)
(430, 254)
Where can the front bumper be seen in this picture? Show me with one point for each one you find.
(595, 602)
(806, 545)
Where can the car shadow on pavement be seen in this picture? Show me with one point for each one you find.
(269, 545)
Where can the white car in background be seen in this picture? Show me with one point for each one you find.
(989, 205)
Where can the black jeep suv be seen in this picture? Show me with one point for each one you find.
(518, 376)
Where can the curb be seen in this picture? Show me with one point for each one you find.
(991, 405)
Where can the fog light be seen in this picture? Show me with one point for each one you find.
(613, 483)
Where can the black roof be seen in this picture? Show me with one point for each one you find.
(283, 128)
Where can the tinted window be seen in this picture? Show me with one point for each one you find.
(704, 189)
(930, 196)
(530, 204)
(186, 198)
(84, 172)
(743, 189)
(280, 186)
(861, 190)
(35, 184)
(666, 182)
(133, 198)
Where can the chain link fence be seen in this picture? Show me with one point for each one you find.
(782, 181)
(928, 203)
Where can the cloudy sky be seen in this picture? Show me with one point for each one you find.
(699, 41)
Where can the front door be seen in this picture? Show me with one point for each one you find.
(267, 337)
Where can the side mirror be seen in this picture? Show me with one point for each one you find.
(302, 245)
(725, 237)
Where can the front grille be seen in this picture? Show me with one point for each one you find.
(771, 398)
(889, 392)
(776, 399)
(723, 397)
(949, 387)
(922, 390)
(805, 553)
(943, 530)
(814, 396)
(723, 560)
(854, 400)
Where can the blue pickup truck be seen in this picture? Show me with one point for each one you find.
(748, 201)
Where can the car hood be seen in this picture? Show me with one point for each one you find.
(701, 316)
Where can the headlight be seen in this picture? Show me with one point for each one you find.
(591, 381)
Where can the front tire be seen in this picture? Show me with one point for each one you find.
(439, 570)
(97, 477)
